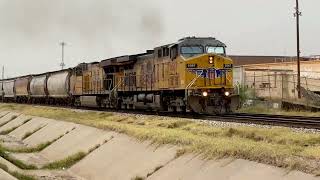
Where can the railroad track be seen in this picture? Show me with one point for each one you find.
(274, 120)
(263, 119)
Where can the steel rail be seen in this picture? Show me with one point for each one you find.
(274, 120)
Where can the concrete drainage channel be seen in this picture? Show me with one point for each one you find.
(40, 148)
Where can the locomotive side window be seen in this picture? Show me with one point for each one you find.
(173, 52)
(167, 52)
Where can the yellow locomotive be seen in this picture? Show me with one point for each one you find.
(193, 74)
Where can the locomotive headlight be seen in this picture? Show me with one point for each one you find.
(227, 93)
(204, 93)
(211, 60)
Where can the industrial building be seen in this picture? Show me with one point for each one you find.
(277, 79)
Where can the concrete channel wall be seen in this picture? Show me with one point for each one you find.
(116, 156)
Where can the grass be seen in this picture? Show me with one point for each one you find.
(138, 178)
(71, 160)
(16, 174)
(12, 118)
(37, 148)
(5, 132)
(154, 171)
(4, 154)
(276, 146)
(1, 116)
(28, 134)
(263, 109)
(67, 162)
(20, 176)
(61, 164)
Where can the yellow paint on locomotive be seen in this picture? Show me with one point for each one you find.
(93, 77)
(217, 75)
(76, 85)
(162, 74)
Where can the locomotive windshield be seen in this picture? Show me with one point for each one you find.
(194, 50)
(215, 49)
(190, 51)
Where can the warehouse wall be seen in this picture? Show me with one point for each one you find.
(278, 80)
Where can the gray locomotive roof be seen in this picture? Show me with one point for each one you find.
(196, 41)
(201, 40)
(124, 59)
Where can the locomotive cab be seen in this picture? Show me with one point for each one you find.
(208, 76)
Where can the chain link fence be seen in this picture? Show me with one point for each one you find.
(278, 85)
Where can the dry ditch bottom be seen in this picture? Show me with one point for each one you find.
(56, 143)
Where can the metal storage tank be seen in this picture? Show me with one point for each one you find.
(8, 88)
(22, 86)
(38, 86)
(58, 84)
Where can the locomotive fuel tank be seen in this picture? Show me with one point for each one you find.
(8, 88)
(38, 86)
(58, 84)
(145, 97)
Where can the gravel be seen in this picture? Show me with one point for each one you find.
(221, 124)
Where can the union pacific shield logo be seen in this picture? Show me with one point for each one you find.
(208, 73)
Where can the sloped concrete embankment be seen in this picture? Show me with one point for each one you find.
(113, 156)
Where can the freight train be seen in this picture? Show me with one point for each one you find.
(193, 74)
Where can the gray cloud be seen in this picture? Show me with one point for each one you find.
(96, 29)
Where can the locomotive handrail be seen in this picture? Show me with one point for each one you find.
(109, 83)
(115, 87)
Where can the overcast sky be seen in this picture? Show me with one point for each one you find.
(30, 30)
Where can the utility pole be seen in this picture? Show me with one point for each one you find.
(297, 15)
(62, 44)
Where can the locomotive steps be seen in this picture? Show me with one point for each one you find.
(35, 144)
